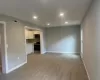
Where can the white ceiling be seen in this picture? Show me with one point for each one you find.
(46, 10)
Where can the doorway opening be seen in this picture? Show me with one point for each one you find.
(37, 42)
(33, 40)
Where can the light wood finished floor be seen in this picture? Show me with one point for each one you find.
(49, 67)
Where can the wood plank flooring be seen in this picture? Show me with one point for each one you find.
(49, 67)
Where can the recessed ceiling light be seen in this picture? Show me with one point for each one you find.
(48, 24)
(35, 17)
(66, 22)
(61, 14)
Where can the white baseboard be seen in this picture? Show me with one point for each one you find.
(62, 52)
(85, 68)
(43, 52)
(8, 71)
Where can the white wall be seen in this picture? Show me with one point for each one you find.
(0, 42)
(44, 40)
(16, 53)
(91, 41)
(63, 39)
(29, 48)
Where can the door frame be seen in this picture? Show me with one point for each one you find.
(81, 41)
(41, 38)
(4, 53)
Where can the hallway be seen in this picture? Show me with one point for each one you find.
(49, 67)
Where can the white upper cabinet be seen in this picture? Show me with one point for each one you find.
(29, 34)
(36, 32)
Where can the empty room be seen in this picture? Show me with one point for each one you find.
(49, 39)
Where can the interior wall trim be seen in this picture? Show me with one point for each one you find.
(16, 67)
(4, 55)
(62, 52)
(85, 68)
